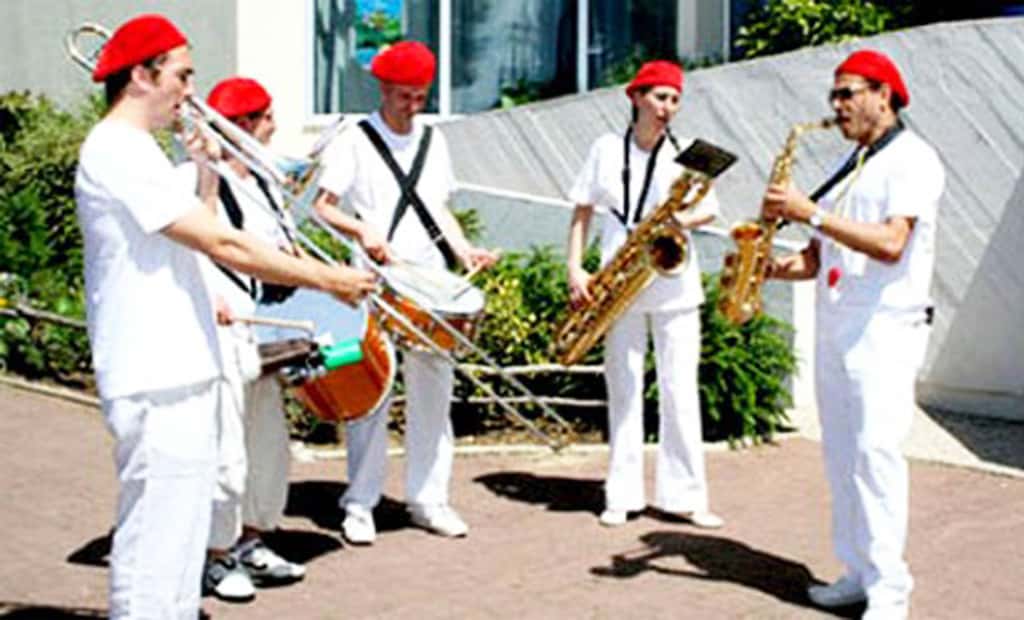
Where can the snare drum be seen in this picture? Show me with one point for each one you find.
(350, 391)
(414, 289)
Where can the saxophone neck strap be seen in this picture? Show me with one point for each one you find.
(623, 216)
(855, 160)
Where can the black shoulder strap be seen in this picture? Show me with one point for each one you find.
(407, 187)
(623, 217)
(237, 218)
(851, 163)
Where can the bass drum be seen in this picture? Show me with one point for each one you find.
(348, 392)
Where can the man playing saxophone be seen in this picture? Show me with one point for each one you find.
(631, 175)
(872, 256)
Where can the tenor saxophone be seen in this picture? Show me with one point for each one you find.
(744, 271)
(656, 246)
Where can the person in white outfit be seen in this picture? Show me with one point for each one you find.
(366, 168)
(872, 256)
(628, 175)
(252, 484)
(150, 319)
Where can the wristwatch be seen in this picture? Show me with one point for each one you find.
(816, 220)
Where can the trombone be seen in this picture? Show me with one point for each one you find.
(295, 179)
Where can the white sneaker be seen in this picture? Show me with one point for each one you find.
(612, 518)
(439, 519)
(896, 611)
(266, 567)
(358, 527)
(226, 579)
(704, 519)
(845, 591)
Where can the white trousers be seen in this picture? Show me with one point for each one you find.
(429, 439)
(166, 459)
(865, 390)
(252, 479)
(680, 483)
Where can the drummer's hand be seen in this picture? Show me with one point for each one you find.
(375, 244)
(579, 287)
(222, 311)
(475, 259)
(351, 285)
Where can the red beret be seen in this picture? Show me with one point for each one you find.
(409, 63)
(878, 67)
(137, 40)
(657, 73)
(238, 96)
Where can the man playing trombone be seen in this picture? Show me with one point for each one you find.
(150, 319)
(252, 481)
(367, 168)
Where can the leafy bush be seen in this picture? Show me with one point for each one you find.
(41, 257)
(783, 25)
(743, 370)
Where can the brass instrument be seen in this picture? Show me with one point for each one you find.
(744, 270)
(657, 246)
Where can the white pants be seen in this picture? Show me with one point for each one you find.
(266, 443)
(866, 370)
(429, 439)
(252, 479)
(166, 459)
(680, 483)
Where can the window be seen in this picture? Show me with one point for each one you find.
(528, 49)
(349, 33)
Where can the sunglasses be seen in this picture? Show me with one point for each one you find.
(845, 93)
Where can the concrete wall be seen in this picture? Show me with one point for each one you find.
(32, 40)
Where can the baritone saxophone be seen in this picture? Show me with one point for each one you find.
(656, 246)
(744, 271)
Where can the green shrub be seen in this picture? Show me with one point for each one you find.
(41, 256)
(743, 370)
(783, 25)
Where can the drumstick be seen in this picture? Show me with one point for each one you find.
(306, 326)
(467, 279)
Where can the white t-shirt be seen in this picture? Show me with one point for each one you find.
(149, 315)
(599, 183)
(358, 176)
(905, 178)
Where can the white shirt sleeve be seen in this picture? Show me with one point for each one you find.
(444, 161)
(149, 190)
(914, 188)
(584, 188)
(341, 166)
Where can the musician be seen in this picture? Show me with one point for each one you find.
(416, 227)
(151, 327)
(252, 485)
(629, 175)
(872, 256)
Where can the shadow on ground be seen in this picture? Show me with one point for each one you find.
(992, 440)
(18, 611)
(317, 500)
(557, 494)
(712, 558)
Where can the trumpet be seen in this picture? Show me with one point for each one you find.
(297, 181)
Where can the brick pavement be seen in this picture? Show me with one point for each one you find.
(535, 549)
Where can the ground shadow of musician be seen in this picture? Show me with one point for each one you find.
(15, 611)
(317, 500)
(558, 494)
(720, 559)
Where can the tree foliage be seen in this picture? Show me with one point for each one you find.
(783, 25)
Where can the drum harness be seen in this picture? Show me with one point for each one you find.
(407, 186)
